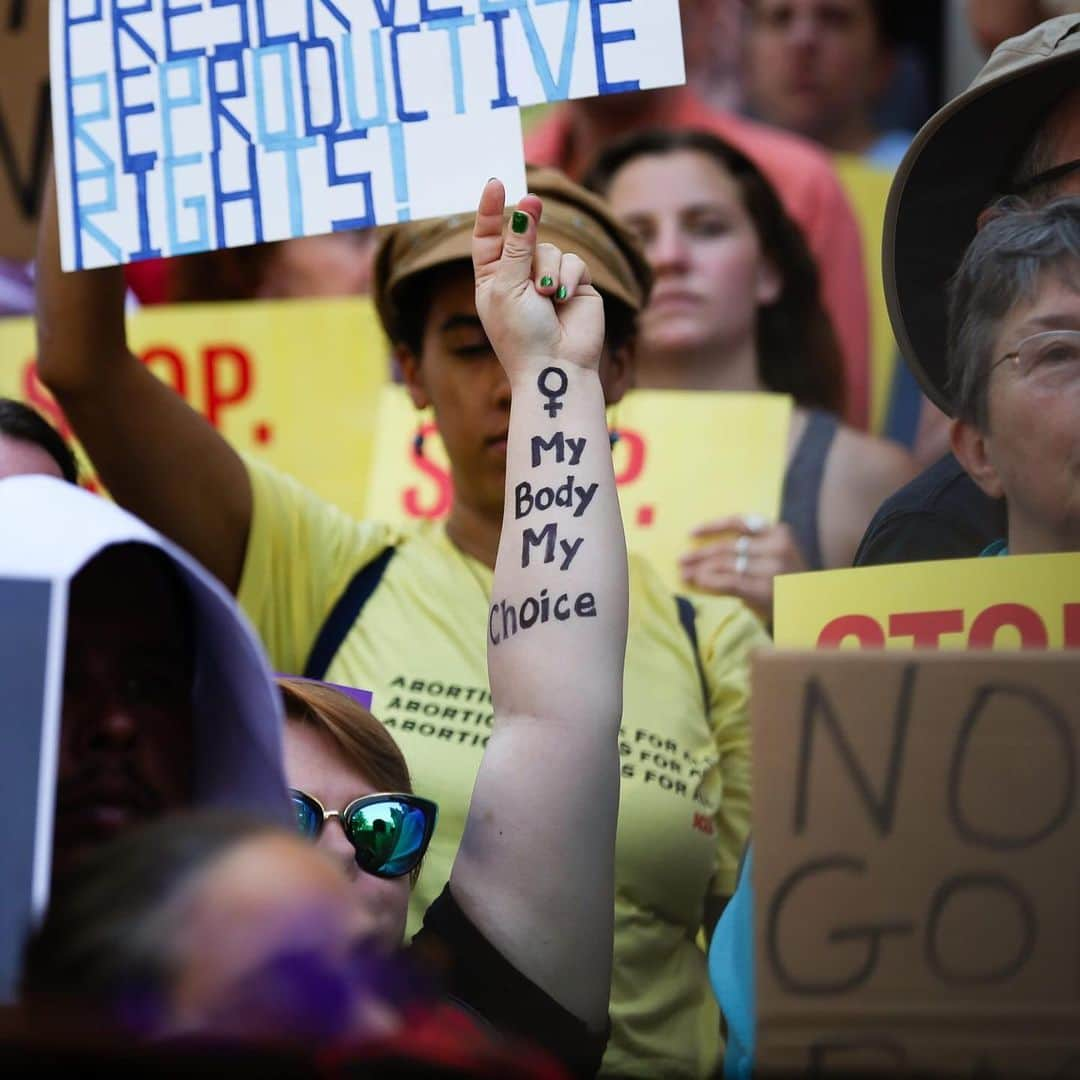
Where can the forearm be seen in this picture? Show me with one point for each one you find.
(159, 459)
(80, 317)
(557, 623)
(536, 866)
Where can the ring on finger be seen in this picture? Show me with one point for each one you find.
(742, 546)
(741, 561)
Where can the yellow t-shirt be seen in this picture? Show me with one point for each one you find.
(420, 646)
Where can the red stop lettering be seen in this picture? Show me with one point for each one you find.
(926, 627)
(444, 487)
(867, 631)
(1072, 626)
(1027, 622)
(230, 390)
(635, 461)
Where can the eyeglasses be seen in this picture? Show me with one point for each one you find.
(1052, 356)
(389, 832)
(1048, 176)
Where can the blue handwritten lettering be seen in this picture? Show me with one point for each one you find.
(602, 37)
(173, 161)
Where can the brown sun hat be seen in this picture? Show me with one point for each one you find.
(574, 219)
(957, 164)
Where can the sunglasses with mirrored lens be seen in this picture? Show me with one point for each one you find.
(389, 832)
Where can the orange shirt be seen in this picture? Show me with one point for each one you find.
(810, 191)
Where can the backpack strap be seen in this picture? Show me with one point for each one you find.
(688, 619)
(343, 615)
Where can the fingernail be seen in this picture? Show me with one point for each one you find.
(546, 282)
(562, 293)
(519, 222)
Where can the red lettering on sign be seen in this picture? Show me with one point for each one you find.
(444, 487)
(1032, 631)
(1072, 626)
(926, 627)
(217, 359)
(635, 462)
(175, 375)
(866, 630)
(704, 823)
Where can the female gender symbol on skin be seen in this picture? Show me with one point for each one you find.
(554, 405)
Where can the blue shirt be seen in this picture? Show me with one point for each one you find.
(731, 972)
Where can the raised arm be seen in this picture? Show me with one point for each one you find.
(535, 871)
(159, 458)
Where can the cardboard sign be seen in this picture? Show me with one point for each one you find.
(664, 437)
(181, 128)
(1020, 601)
(294, 382)
(237, 760)
(24, 123)
(916, 900)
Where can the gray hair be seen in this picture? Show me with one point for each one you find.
(1004, 266)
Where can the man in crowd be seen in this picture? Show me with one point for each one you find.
(820, 67)
(167, 701)
(1015, 130)
(574, 133)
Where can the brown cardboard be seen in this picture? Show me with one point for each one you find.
(917, 861)
(25, 122)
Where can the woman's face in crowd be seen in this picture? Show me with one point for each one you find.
(270, 942)
(1033, 438)
(711, 274)
(313, 763)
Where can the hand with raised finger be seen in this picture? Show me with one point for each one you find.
(741, 557)
(537, 304)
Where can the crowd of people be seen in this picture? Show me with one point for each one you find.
(252, 857)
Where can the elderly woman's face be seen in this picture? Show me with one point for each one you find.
(1033, 438)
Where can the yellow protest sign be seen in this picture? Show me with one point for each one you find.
(294, 382)
(681, 459)
(1018, 601)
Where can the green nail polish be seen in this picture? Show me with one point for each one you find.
(519, 222)
(546, 282)
(562, 293)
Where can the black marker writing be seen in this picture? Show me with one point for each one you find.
(548, 539)
(567, 495)
(506, 619)
(559, 444)
(553, 384)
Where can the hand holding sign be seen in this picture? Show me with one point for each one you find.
(537, 304)
(741, 557)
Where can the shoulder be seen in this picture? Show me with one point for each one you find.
(780, 147)
(865, 467)
(285, 510)
(940, 514)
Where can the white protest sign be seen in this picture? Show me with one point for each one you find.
(237, 760)
(182, 127)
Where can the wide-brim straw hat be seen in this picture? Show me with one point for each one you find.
(956, 165)
(574, 219)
